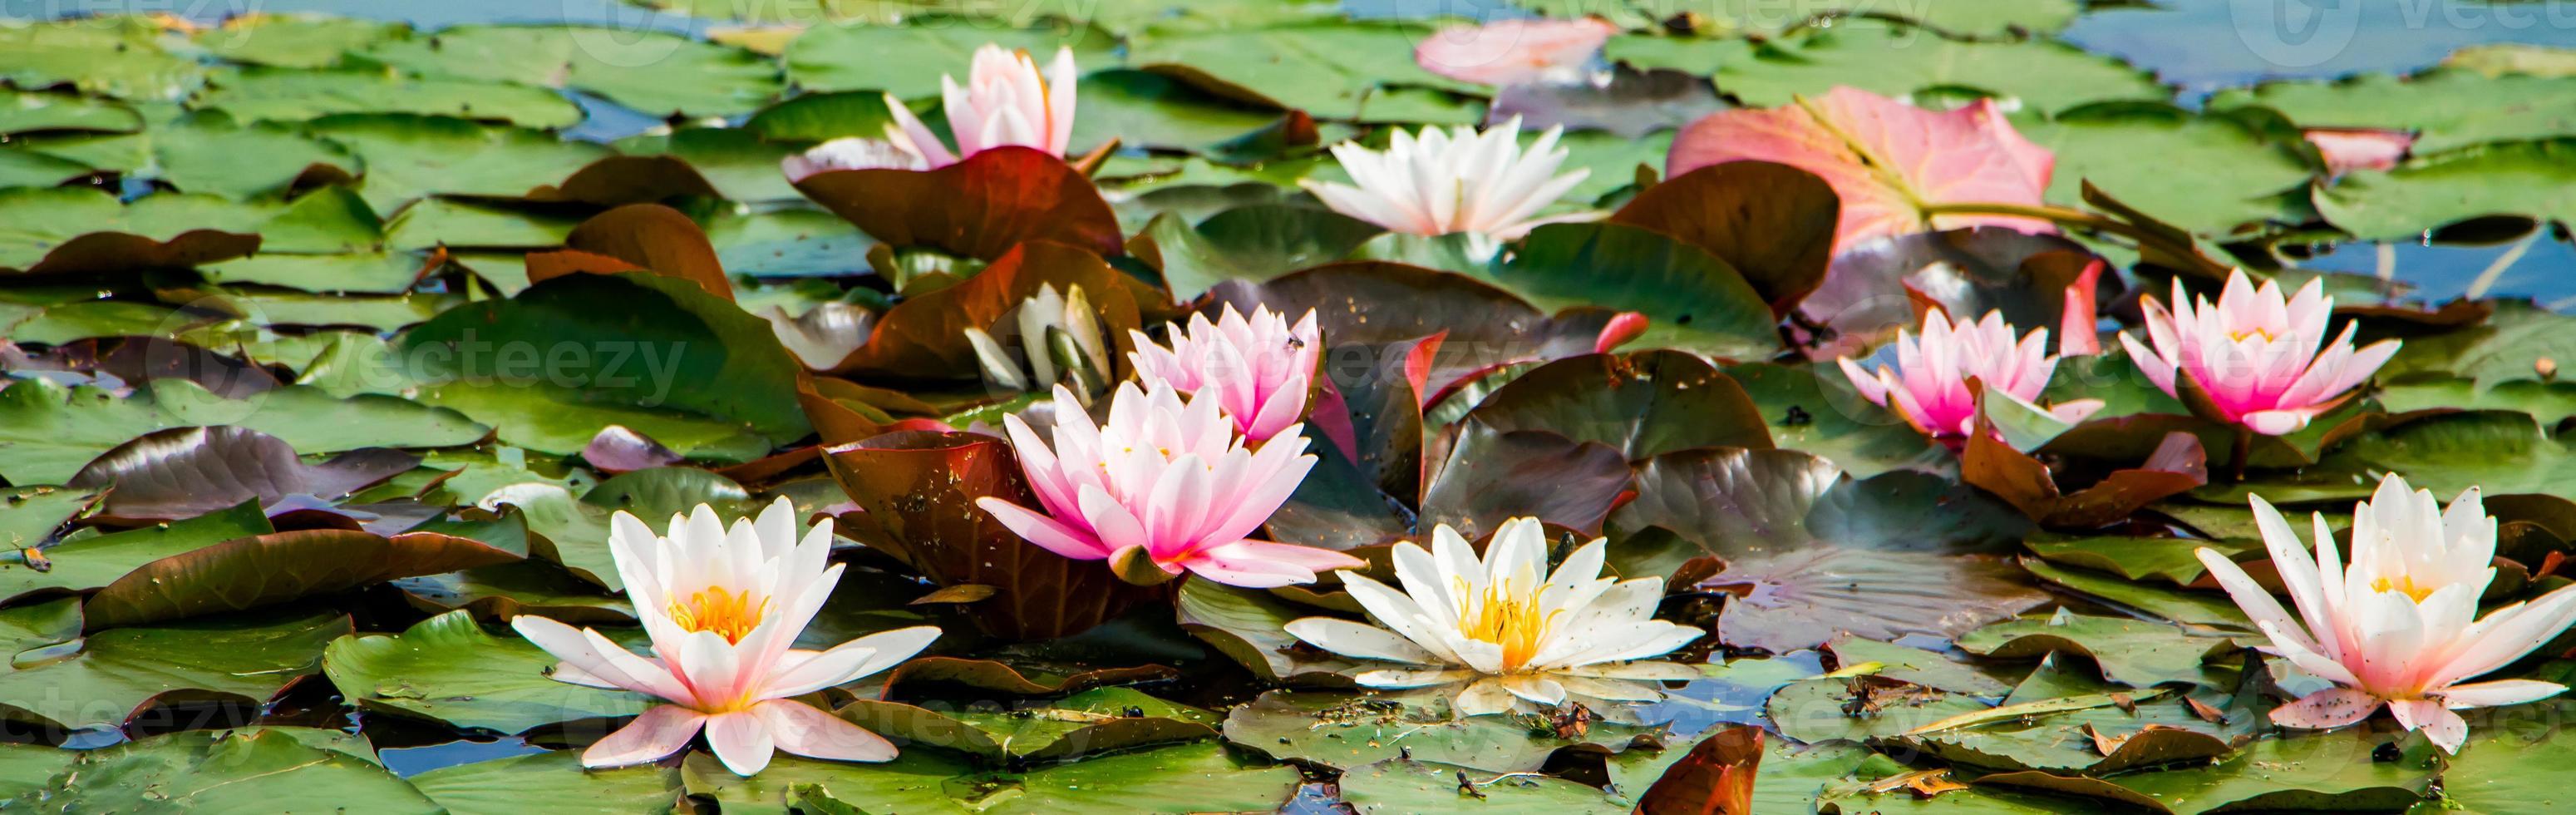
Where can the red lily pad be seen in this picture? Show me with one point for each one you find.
(100, 252)
(1379, 303)
(916, 496)
(2178, 466)
(1715, 778)
(1891, 163)
(924, 337)
(190, 471)
(1773, 222)
(640, 236)
(979, 207)
(1811, 554)
(622, 180)
(275, 568)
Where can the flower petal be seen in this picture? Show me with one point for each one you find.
(2326, 709)
(800, 729)
(741, 740)
(661, 731)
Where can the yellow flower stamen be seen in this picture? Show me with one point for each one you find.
(731, 616)
(1512, 620)
(2240, 336)
(2404, 584)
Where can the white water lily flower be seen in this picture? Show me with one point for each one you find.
(1039, 320)
(1504, 628)
(723, 608)
(1438, 182)
(2395, 627)
(824, 335)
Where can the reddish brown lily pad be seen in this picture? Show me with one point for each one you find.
(1379, 303)
(979, 207)
(916, 494)
(1643, 404)
(189, 471)
(275, 568)
(1494, 475)
(1716, 778)
(925, 335)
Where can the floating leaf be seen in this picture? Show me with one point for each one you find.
(256, 93)
(266, 570)
(1406, 785)
(1644, 404)
(2131, 652)
(1691, 299)
(189, 471)
(1380, 304)
(449, 669)
(229, 771)
(925, 335)
(553, 780)
(1494, 475)
(1810, 553)
(1716, 777)
(1093, 721)
(109, 676)
(1773, 223)
(980, 207)
(928, 780)
(1346, 730)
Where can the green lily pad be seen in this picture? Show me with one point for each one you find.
(2167, 559)
(2300, 771)
(1693, 300)
(653, 72)
(1813, 408)
(1823, 710)
(84, 562)
(1405, 785)
(450, 669)
(2447, 109)
(1330, 70)
(48, 431)
(408, 156)
(1894, 59)
(101, 680)
(228, 771)
(2208, 608)
(908, 60)
(2516, 178)
(293, 95)
(76, 229)
(1093, 721)
(29, 515)
(1348, 730)
(549, 781)
(292, 40)
(115, 56)
(1643, 404)
(34, 111)
(1245, 624)
(1150, 110)
(2491, 772)
(668, 333)
(1253, 243)
(2132, 652)
(1918, 666)
(2242, 176)
(929, 781)
(511, 589)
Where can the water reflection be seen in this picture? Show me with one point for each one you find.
(2204, 45)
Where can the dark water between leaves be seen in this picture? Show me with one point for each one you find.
(2198, 46)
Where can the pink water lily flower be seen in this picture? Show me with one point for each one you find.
(1166, 485)
(1511, 52)
(1437, 182)
(2255, 353)
(2395, 627)
(1928, 384)
(723, 608)
(1006, 101)
(1258, 370)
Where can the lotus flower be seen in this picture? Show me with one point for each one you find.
(1164, 486)
(824, 335)
(1512, 52)
(1504, 629)
(1439, 182)
(852, 153)
(1257, 369)
(2349, 149)
(723, 608)
(1005, 102)
(2255, 354)
(1044, 322)
(1929, 382)
(2394, 628)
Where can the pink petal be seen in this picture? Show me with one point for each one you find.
(741, 740)
(2276, 422)
(2446, 728)
(2499, 692)
(2357, 149)
(1964, 155)
(2326, 709)
(1054, 535)
(661, 731)
(800, 729)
